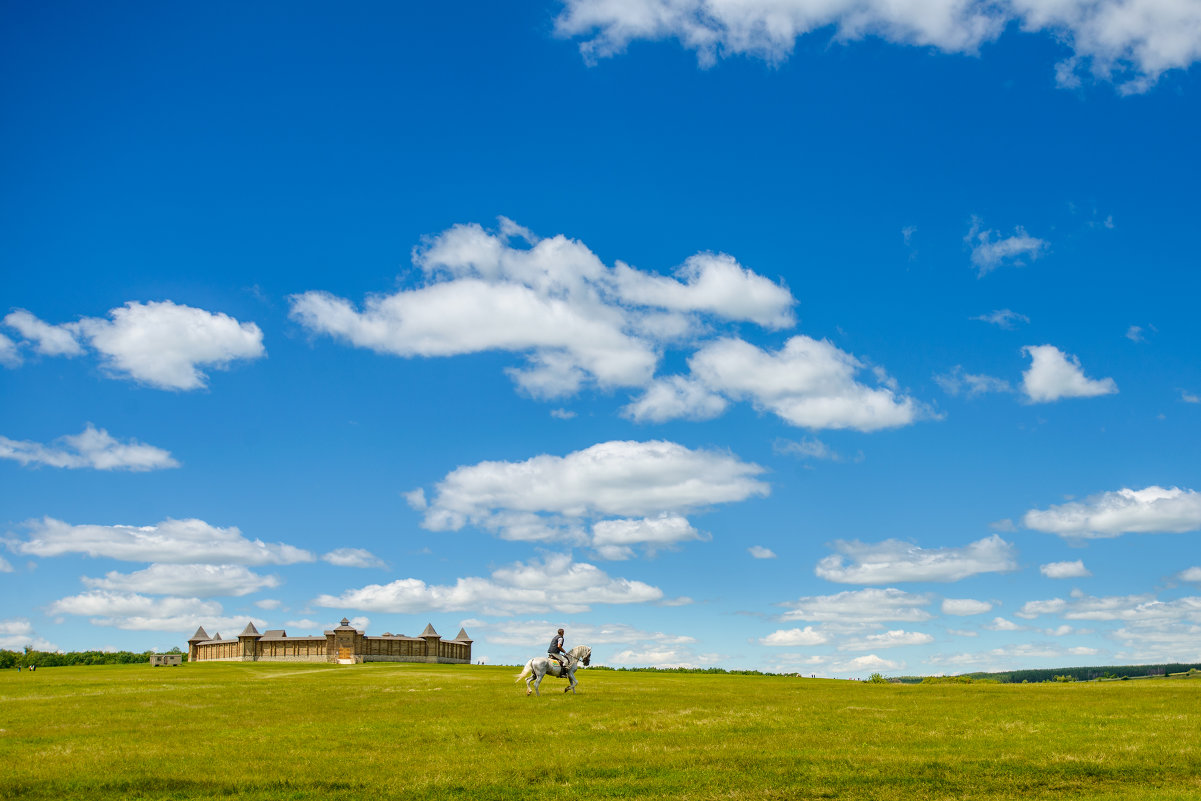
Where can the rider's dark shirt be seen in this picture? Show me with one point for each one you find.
(556, 645)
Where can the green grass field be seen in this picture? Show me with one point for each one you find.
(272, 731)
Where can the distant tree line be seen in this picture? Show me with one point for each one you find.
(710, 670)
(30, 658)
(1087, 673)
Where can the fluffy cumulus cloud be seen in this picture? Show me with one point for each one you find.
(613, 495)
(46, 339)
(160, 343)
(1128, 42)
(860, 607)
(759, 552)
(792, 638)
(92, 448)
(178, 542)
(1150, 510)
(1054, 374)
(965, 606)
(1061, 570)
(202, 581)
(808, 383)
(576, 319)
(894, 561)
(579, 322)
(135, 612)
(555, 582)
(864, 664)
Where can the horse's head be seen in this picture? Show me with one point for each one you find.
(582, 653)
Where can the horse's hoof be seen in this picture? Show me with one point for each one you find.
(527, 693)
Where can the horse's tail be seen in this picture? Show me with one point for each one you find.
(527, 670)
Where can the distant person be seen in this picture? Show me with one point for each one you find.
(556, 648)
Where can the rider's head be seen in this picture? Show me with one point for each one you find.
(560, 631)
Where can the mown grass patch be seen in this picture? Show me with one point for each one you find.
(275, 731)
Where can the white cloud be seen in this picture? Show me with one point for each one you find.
(171, 541)
(808, 383)
(860, 606)
(1135, 334)
(1135, 609)
(17, 633)
(162, 344)
(617, 536)
(1130, 43)
(1003, 318)
(269, 603)
(957, 382)
(93, 448)
(558, 498)
(675, 398)
(1001, 624)
(202, 581)
(991, 250)
(863, 664)
(662, 658)
(48, 340)
(1188, 397)
(16, 626)
(5, 567)
(894, 561)
(556, 582)
(1054, 374)
(575, 319)
(710, 282)
(889, 639)
(524, 632)
(807, 448)
(1032, 609)
(795, 637)
(133, 612)
(353, 557)
(1060, 570)
(965, 606)
(759, 552)
(1192, 574)
(10, 355)
(1110, 514)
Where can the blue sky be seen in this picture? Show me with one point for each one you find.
(834, 342)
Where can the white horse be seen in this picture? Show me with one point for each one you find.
(541, 666)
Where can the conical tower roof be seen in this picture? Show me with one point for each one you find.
(462, 636)
(429, 631)
(200, 636)
(250, 631)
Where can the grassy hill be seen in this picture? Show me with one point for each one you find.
(309, 731)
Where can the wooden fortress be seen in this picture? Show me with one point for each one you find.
(344, 645)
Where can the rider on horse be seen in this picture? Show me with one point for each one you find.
(556, 647)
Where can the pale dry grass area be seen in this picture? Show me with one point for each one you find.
(288, 731)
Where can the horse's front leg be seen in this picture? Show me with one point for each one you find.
(570, 682)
